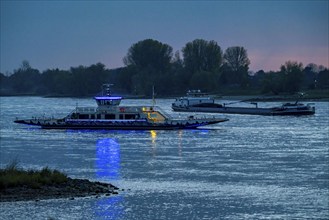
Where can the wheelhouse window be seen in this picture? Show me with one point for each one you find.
(83, 116)
(110, 116)
(130, 116)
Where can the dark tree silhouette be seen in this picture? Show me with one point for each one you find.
(237, 64)
(293, 75)
(151, 63)
(236, 58)
(148, 64)
(201, 55)
(150, 54)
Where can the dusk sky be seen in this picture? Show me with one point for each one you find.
(61, 34)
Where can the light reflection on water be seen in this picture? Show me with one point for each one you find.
(252, 167)
(110, 208)
(107, 169)
(108, 159)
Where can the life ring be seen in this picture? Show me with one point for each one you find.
(122, 109)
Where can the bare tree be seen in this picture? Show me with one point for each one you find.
(236, 58)
(201, 55)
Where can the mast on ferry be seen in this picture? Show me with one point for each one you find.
(153, 97)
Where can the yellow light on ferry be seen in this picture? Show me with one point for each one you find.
(153, 134)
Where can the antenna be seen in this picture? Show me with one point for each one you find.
(106, 88)
(153, 97)
(301, 95)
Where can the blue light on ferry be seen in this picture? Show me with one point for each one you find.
(108, 97)
(108, 159)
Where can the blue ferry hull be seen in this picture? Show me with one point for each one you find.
(109, 125)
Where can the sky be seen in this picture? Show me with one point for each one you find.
(64, 34)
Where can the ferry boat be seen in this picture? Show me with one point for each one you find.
(196, 101)
(109, 114)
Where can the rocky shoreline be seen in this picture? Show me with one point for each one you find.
(70, 189)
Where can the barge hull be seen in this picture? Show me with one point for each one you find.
(246, 111)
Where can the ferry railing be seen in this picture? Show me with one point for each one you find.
(86, 109)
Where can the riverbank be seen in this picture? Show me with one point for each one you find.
(71, 189)
(237, 94)
(281, 98)
(21, 185)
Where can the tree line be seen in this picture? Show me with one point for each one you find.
(200, 64)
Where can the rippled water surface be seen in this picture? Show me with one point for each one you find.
(251, 167)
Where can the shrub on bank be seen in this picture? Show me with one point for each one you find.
(13, 176)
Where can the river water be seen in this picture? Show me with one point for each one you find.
(251, 167)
